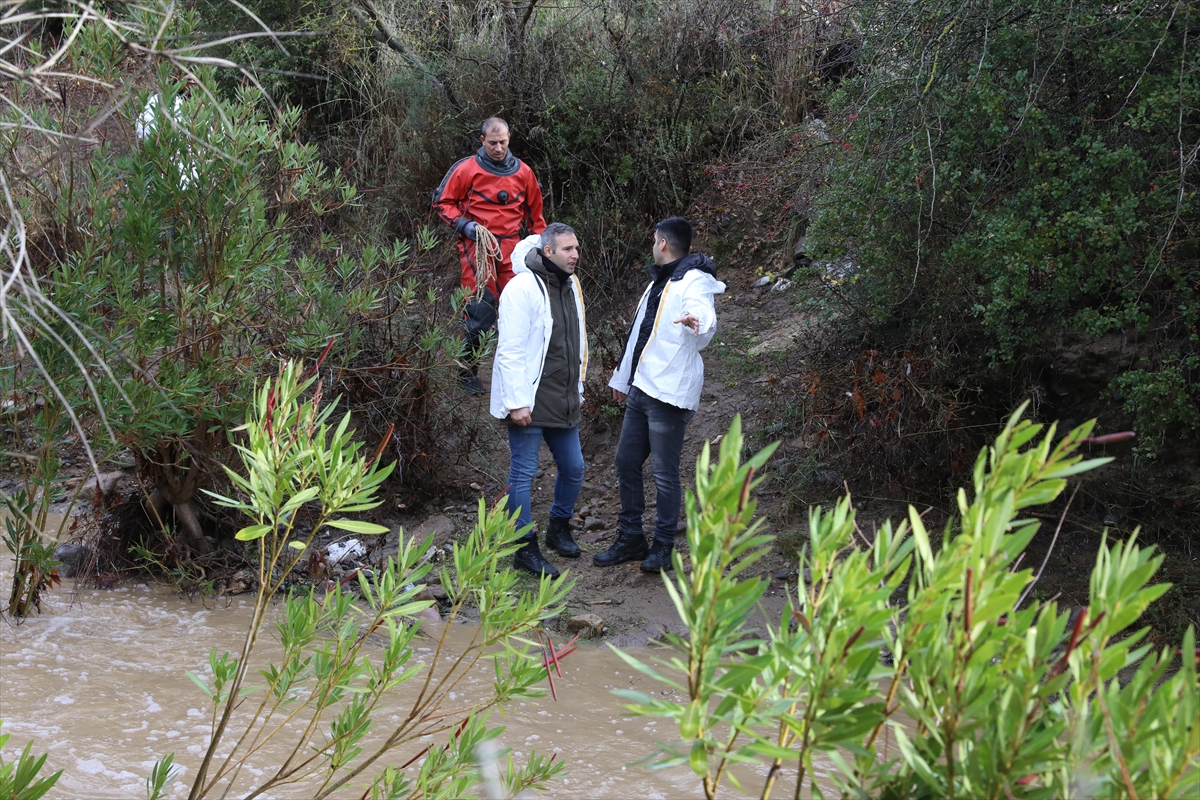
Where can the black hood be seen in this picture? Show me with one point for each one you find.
(677, 269)
(508, 166)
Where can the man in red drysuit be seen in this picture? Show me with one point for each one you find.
(497, 190)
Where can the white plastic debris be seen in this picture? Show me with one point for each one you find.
(152, 115)
(782, 285)
(763, 281)
(338, 552)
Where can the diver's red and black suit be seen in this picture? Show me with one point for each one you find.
(502, 196)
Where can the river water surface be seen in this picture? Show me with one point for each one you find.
(100, 684)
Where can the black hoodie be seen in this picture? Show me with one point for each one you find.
(660, 275)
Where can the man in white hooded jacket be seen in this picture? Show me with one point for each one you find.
(659, 379)
(537, 384)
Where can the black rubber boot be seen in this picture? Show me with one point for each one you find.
(530, 559)
(659, 559)
(627, 547)
(480, 317)
(469, 382)
(559, 539)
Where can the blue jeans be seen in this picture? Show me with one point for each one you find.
(524, 444)
(651, 429)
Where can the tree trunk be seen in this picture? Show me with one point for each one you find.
(189, 527)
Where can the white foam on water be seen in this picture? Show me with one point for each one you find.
(90, 766)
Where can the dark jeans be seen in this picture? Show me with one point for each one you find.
(524, 444)
(655, 429)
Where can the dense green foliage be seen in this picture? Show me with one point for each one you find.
(182, 251)
(617, 105)
(930, 644)
(194, 267)
(1005, 163)
(191, 276)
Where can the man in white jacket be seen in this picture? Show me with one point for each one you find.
(537, 383)
(659, 379)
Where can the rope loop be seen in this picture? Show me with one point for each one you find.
(487, 259)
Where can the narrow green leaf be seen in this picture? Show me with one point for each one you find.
(357, 526)
(252, 532)
(698, 759)
(689, 723)
(196, 679)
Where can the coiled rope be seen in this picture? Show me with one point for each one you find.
(487, 259)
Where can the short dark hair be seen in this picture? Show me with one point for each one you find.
(551, 234)
(678, 233)
(492, 122)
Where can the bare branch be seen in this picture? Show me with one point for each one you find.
(383, 35)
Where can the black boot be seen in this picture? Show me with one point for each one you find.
(530, 559)
(627, 547)
(559, 539)
(468, 381)
(659, 559)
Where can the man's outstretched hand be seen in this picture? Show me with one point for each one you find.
(690, 321)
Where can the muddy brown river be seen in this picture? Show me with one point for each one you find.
(100, 685)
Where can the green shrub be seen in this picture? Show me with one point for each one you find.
(174, 258)
(1005, 699)
(1003, 164)
(343, 654)
(191, 277)
(1160, 400)
(175, 269)
(40, 429)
